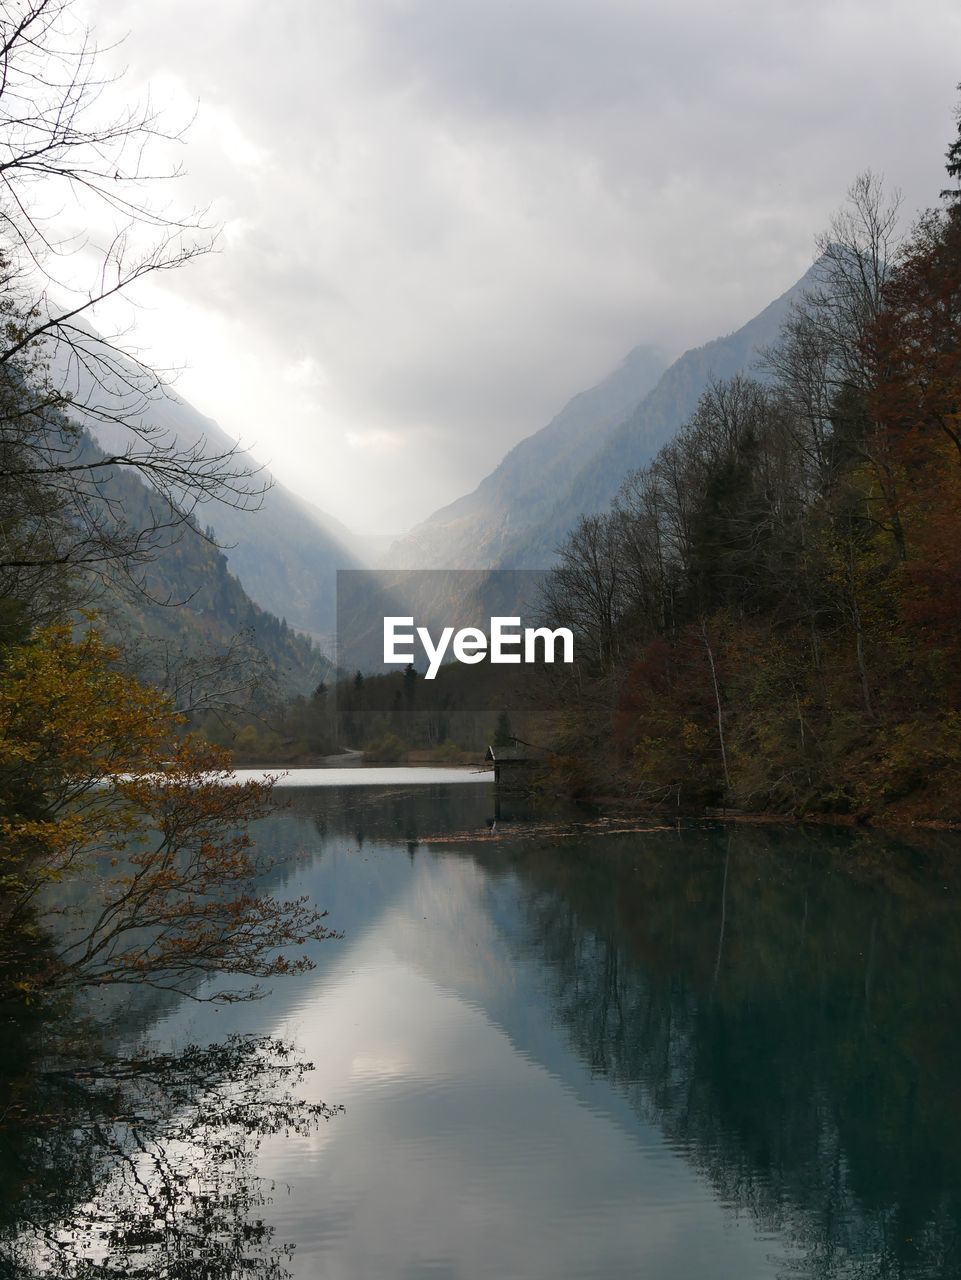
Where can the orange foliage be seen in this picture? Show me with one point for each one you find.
(144, 828)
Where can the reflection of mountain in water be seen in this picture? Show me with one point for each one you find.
(785, 1012)
(787, 1017)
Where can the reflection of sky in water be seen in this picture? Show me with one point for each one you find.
(475, 1143)
(461, 1154)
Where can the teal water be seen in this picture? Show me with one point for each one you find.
(565, 1052)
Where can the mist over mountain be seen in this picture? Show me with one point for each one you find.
(285, 552)
(475, 531)
(189, 608)
(518, 515)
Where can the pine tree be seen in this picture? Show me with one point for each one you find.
(953, 166)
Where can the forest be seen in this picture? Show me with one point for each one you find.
(769, 614)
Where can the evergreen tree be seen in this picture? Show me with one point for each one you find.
(953, 166)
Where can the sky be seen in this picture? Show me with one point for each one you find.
(442, 218)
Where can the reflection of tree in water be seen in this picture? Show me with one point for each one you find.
(403, 815)
(143, 1166)
(791, 1027)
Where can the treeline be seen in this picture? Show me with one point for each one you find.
(454, 716)
(769, 615)
(390, 717)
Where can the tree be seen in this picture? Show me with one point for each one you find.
(61, 146)
(827, 359)
(96, 783)
(585, 590)
(503, 733)
(953, 166)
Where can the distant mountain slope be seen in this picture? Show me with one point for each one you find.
(209, 614)
(286, 553)
(189, 608)
(476, 530)
(520, 513)
(652, 423)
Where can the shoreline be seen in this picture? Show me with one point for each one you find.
(613, 805)
(865, 822)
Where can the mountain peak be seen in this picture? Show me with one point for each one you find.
(523, 487)
(518, 514)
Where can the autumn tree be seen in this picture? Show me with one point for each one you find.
(101, 793)
(781, 581)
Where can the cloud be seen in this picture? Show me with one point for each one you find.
(381, 440)
(464, 213)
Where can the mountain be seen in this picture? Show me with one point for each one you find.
(475, 531)
(654, 421)
(184, 620)
(286, 553)
(521, 512)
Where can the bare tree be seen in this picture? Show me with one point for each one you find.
(62, 146)
(858, 253)
(826, 360)
(585, 589)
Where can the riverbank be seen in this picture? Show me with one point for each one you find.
(625, 806)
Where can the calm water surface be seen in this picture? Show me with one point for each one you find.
(366, 776)
(720, 1053)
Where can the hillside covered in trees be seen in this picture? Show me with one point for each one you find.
(284, 551)
(769, 614)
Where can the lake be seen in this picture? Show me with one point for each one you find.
(564, 1049)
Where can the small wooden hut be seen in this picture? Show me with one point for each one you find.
(511, 765)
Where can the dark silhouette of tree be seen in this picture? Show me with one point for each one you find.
(60, 146)
(143, 1166)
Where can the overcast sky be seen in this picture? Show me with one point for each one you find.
(444, 217)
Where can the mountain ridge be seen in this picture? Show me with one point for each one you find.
(535, 467)
(492, 527)
(285, 552)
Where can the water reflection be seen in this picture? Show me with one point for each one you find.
(787, 1014)
(358, 775)
(681, 1053)
(143, 1165)
(675, 1053)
